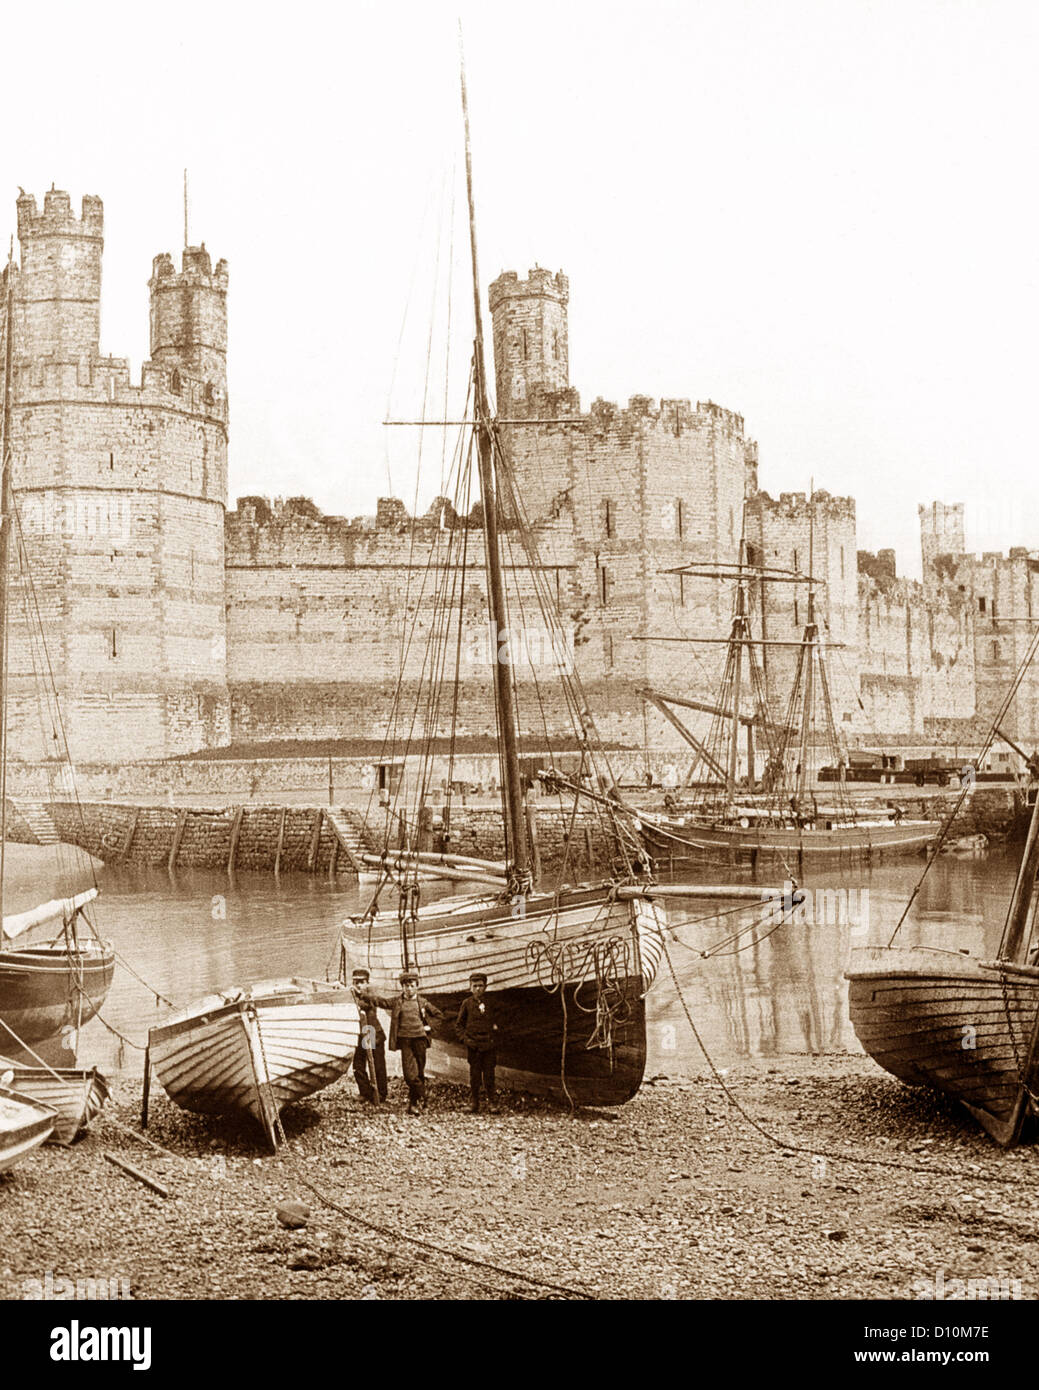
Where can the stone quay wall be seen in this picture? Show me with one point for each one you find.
(294, 838)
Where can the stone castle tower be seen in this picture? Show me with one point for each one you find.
(941, 533)
(531, 347)
(121, 491)
(642, 489)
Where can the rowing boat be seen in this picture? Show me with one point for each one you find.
(25, 1124)
(257, 1049)
(963, 1026)
(76, 1095)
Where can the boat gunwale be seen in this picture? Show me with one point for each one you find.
(193, 1016)
(384, 926)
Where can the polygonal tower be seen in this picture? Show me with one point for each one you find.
(531, 347)
(59, 295)
(121, 492)
(189, 315)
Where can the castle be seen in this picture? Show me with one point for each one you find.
(173, 625)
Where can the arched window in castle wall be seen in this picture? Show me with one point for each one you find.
(175, 382)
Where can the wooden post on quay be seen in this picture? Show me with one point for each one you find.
(236, 831)
(315, 840)
(281, 841)
(178, 835)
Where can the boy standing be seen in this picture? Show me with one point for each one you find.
(478, 1030)
(409, 1034)
(370, 1054)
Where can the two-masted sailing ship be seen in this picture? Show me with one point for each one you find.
(731, 815)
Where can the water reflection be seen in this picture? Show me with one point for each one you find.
(766, 994)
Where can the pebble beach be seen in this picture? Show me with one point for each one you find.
(677, 1195)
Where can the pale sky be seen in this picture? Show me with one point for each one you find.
(820, 215)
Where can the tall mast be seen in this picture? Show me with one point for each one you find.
(740, 634)
(504, 704)
(6, 509)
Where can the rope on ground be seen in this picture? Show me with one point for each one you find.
(388, 1231)
(794, 1147)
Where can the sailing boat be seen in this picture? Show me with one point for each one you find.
(45, 986)
(737, 822)
(568, 970)
(963, 1026)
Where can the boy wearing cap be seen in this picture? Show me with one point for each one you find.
(370, 1054)
(409, 1034)
(478, 1030)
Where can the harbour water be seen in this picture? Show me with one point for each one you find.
(767, 988)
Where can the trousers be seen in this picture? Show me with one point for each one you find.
(413, 1064)
(363, 1069)
(481, 1070)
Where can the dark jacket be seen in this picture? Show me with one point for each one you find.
(475, 1028)
(369, 1016)
(426, 1010)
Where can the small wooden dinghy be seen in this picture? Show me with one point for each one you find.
(75, 1095)
(25, 1124)
(256, 1049)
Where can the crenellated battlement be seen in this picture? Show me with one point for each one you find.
(540, 283)
(106, 380)
(797, 506)
(196, 268)
(57, 217)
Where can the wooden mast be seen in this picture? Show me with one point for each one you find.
(739, 632)
(504, 704)
(1014, 941)
(6, 509)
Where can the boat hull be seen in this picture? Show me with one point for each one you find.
(568, 978)
(677, 847)
(947, 1022)
(76, 1096)
(272, 1044)
(43, 990)
(25, 1124)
